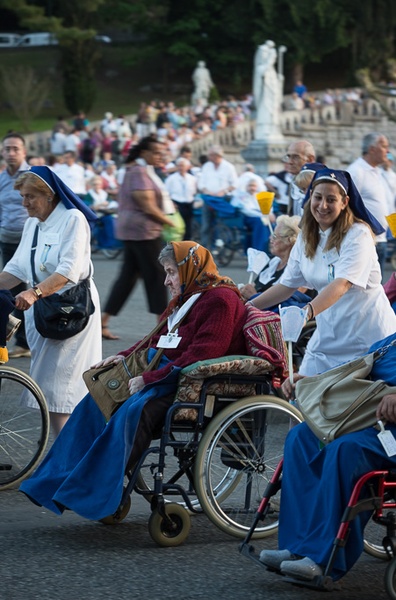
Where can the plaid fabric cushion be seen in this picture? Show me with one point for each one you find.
(263, 336)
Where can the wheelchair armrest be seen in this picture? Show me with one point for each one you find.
(231, 376)
(240, 364)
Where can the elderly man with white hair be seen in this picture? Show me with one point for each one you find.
(182, 187)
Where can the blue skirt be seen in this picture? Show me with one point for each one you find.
(316, 487)
(85, 468)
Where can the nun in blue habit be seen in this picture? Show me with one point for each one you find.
(56, 240)
(317, 482)
(336, 255)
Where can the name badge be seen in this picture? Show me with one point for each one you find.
(51, 238)
(171, 340)
(332, 256)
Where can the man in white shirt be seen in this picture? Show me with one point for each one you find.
(218, 178)
(182, 187)
(367, 176)
(72, 174)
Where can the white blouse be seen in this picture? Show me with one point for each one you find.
(360, 317)
(63, 246)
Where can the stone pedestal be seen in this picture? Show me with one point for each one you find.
(265, 155)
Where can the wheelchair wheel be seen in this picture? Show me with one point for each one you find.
(390, 579)
(171, 533)
(24, 426)
(222, 243)
(373, 536)
(224, 487)
(119, 515)
(236, 458)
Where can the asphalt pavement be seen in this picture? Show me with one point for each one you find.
(46, 557)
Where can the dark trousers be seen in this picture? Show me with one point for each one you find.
(140, 259)
(186, 211)
(150, 425)
(7, 252)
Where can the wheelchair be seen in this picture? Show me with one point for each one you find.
(379, 496)
(229, 234)
(24, 422)
(103, 236)
(220, 450)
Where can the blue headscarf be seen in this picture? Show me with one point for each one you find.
(66, 195)
(345, 182)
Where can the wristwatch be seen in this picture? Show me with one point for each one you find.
(37, 291)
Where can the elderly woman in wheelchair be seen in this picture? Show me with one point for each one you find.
(84, 470)
(317, 484)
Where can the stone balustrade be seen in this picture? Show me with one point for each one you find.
(335, 131)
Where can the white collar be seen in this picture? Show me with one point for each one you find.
(178, 314)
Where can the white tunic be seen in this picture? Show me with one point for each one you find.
(63, 246)
(361, 317)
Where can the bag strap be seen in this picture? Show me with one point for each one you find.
(152, 365)
(32, 254)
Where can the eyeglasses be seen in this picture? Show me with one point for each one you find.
(278, 237)
(292, 157)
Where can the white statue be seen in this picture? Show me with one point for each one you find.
(267, 92)
(203, 84)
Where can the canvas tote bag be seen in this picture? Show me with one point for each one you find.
(342, 400)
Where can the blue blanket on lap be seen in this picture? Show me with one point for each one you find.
(84, 470)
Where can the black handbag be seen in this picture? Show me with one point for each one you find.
(61, 316)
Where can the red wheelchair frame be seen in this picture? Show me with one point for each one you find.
(382, 496)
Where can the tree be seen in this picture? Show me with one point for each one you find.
(25, 93)
(74, 28)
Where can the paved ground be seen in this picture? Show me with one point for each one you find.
(45, 557)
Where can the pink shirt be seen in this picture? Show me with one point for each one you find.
(132, 222)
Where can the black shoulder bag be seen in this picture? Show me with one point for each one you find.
(61, 316)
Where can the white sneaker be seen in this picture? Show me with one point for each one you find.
(305, 569)
(274, 558)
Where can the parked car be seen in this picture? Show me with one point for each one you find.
(105, 39)
(9, 40)
(38, 39)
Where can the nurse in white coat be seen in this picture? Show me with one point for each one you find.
(335, 255)
(62, 259)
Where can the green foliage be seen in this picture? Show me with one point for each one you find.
(24, 92)
(224, 33)
(79, 86)
(214, 95)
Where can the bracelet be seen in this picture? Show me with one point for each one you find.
(312, 312)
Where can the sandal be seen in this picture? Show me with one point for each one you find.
(107, 335)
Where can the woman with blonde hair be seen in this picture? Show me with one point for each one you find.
(281, 243)
(335, 255)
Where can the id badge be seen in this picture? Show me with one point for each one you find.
(171, 340)
(331, 257)
(387, 440)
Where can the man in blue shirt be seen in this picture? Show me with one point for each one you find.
(12, 219)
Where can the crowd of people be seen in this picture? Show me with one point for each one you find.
(329, 242)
